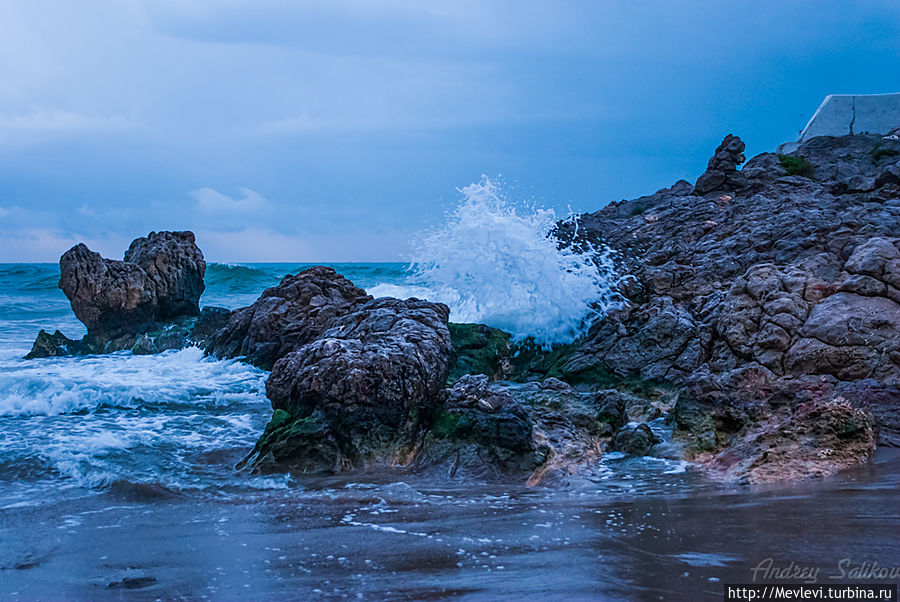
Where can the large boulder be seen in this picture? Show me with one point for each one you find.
(364, 386)
(148, 303)
(160, 279)
(288, 316)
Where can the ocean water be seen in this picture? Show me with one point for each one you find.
(118, 481)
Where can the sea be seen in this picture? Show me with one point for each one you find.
(118, 476)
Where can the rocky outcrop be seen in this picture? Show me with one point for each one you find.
(364, 388)
(160, 279)
(150, 299)
(767, 282)
(288, 316)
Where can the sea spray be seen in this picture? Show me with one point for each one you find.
(502, 265)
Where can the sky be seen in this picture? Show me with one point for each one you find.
(317, 130)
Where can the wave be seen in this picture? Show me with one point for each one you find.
(58, 386)
(502, 265)
(236, 276)
(30, 277)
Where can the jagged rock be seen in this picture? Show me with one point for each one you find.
(56, 345)
(160, 279)
(175, 265)
(800, 278)
(288, 316)
(721, 171)
(148, 302)
(479, 429)
(367, 382)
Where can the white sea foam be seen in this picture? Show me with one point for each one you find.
(76, 385)
(502, 265)
(98, 419)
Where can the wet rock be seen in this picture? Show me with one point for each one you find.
(813, 438)
(56, 345)
(368, 380)
(160, 279)
(635, 440)
(210, 321)
(477, 349)
(288, 316)
(479, 429)
(610, 411)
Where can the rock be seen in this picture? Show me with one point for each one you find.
(210, 321)
(890, 175)
(479, 429)
(288, 316)
(871, 257)
(180, 333)
(555, 384)
(799, 281)
(859, 183)
(813, 439)
(148, 303)
(721, 171)
(364, 386)
(160, 279)
(477, 349)
(610, 411)
(851, 337)
(175, 265)
(57, 344)
(635, 440)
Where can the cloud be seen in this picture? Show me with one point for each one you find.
(46, 244)
(57, 120)
(211, 200)
(264, 244)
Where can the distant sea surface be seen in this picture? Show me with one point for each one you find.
(117, 481)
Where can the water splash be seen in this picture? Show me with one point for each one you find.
(504, 266)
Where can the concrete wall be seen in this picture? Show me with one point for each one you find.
(842, 114)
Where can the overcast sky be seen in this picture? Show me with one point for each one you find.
(331, 131)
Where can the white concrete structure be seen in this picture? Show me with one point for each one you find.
(842, 114)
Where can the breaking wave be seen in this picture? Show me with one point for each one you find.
(502, 265)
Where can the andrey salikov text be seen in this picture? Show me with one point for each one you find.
(768, 570)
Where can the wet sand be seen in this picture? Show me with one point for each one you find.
(415, 541)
